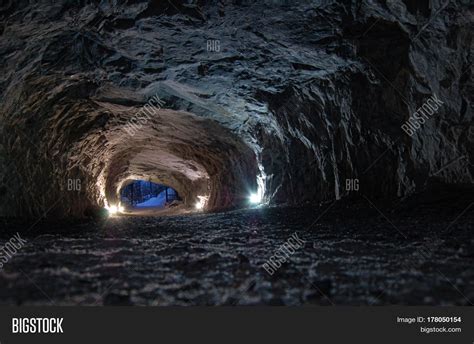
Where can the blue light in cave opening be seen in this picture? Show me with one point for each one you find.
(146, 194)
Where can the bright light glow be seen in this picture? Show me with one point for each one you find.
(114, 209)
(201, 203)
(258, 197)
(255, 198)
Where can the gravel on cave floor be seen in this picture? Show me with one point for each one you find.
(351, 256)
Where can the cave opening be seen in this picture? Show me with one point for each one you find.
(142, 194)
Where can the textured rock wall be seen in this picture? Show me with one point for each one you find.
(304, 94)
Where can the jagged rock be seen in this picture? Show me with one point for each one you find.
(303, 94)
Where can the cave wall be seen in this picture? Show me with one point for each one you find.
(301, 94)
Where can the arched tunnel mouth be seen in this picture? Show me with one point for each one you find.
(103, 145)
(144, 194)
(200, 160)
(205, 165)
(139, 196)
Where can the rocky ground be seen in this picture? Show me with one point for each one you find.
(363, 254)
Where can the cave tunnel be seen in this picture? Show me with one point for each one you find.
(168, 149)
(201, 160)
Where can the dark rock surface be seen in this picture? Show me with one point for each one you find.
(304, 94)
(368, 256)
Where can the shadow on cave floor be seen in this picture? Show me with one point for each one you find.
(353, 254)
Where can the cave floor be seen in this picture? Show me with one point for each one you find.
(351, 256)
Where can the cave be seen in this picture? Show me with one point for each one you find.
(346, 123)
